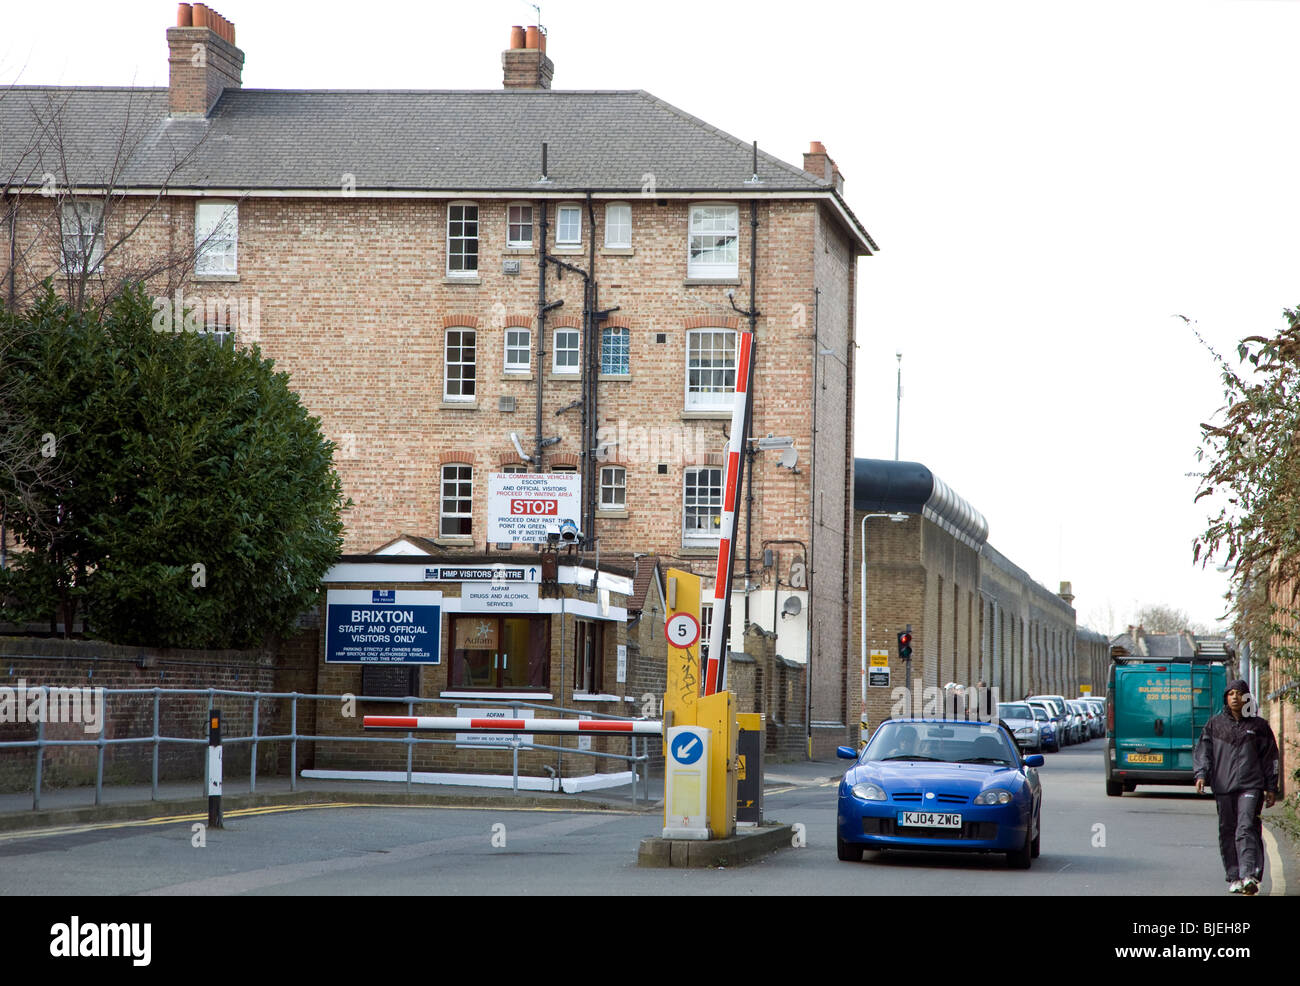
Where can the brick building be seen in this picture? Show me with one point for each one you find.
(462, 282)
(974, 614)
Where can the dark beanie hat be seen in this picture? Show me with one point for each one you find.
(1240, 685)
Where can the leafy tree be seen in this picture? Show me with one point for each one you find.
(1254, 474)
(192, 501)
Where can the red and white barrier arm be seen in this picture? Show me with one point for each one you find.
(727, 544)
(467, 724)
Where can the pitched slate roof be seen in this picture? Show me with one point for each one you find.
(390, 140)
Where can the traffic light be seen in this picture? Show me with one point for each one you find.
(905, 645)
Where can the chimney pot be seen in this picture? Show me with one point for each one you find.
(816, 147)
(524, 64)
(184, 15)
(200, 15)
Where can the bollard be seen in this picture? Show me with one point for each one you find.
(214, 769)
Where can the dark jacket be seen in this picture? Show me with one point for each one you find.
(1237, 754)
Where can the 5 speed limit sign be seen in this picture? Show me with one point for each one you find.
(682, 630)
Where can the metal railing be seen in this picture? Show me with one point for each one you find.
(293, 737)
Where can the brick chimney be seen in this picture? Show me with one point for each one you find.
(817, 162)
(202, 58)
(525, 63)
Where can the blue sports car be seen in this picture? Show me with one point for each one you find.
(943, 786)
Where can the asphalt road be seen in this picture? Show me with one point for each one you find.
(1152, 842)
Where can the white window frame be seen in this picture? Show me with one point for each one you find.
(216, 238)
(576, 349)
(511, 240)
(526, 347)
(613, 482)
(692, 533)
(463, 238)
(702, 393)
(460, 472)
(560, 238)
(708, 235)
(81, 220)
(626, 334)
(447, 363)
(618, 234)
(706, 628)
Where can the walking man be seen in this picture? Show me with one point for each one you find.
(1237, 757)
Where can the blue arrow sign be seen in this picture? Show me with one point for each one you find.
(687, 748)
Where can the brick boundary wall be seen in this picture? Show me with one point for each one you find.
(79, 663)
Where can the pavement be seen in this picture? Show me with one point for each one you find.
(72, 806)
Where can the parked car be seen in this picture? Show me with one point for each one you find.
(942, 786)
(1048, 728)
(1019, 718)
(1064, 734)
(1085, 718)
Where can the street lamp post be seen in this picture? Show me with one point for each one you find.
(896, 517)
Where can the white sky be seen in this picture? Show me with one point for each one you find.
(1049, 182)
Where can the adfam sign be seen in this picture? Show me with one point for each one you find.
(524, 507)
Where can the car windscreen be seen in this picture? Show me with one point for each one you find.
(1014, 712)
(949, 742)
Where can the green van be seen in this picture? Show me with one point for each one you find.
(1155, 711)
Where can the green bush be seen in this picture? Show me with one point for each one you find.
(190, 500)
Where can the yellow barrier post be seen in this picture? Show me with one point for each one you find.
(717, 712)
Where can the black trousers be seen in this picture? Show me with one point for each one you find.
(1241, 834)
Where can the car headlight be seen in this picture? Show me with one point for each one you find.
(993, 796)
(869, 792)
(1024, 731)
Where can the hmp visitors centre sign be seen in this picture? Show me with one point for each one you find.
(383, 626)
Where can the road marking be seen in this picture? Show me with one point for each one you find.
(161, 820)
(1275, 872)
(275, 809)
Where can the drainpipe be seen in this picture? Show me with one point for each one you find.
(541, 329)
(589, 404)
(748, 476)
(812, 532)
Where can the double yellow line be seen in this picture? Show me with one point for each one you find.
(167, 820)
(274, 809)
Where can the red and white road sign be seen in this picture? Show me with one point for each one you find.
(682, 630)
